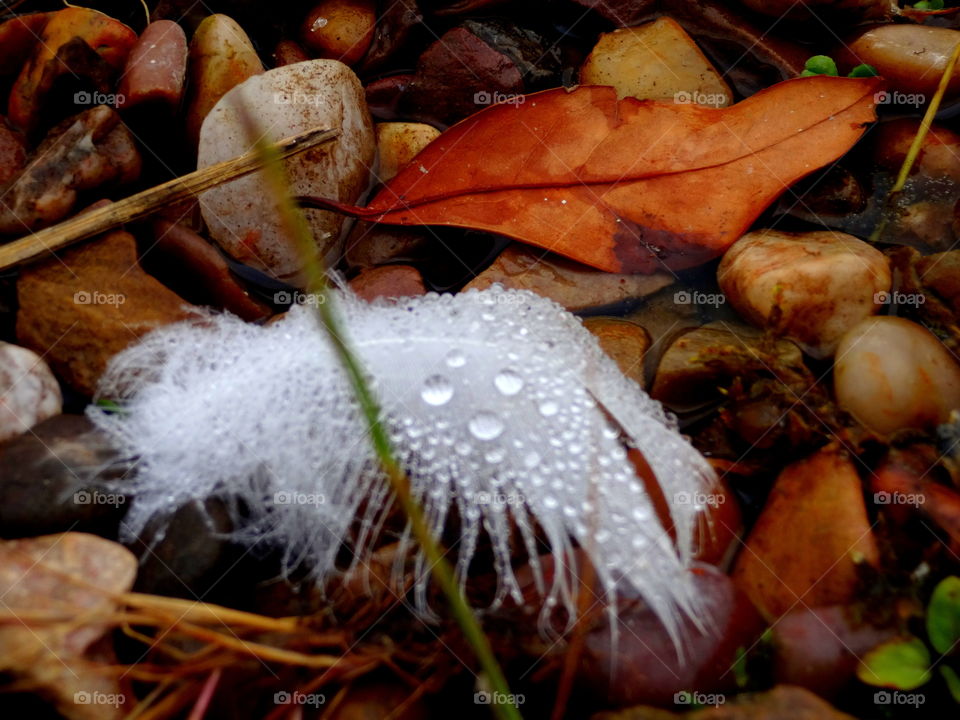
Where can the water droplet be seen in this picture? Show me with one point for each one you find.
(508, 382)
(456, 358)
(486, 426)
(437, 390)
(548, 408)
(550, 502)
(495, 456)
(532, 459)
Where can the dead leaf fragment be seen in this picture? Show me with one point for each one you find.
(70, 575)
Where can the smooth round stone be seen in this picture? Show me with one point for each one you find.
(809, 287)
(912, 58)
(289, 100)
(340, 29)
(62, 476)
(893, 374)
(29, 393)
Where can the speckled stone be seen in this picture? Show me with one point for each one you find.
(29, 392)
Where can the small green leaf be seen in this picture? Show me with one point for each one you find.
(943, 615)
(110, 405)
(864, 70)
(903, 664)
(740, 671)
(952, 680)
(928, 5)
(820, 65)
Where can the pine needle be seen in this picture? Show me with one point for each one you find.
(918, 140)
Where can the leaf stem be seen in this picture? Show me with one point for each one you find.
(298, 229)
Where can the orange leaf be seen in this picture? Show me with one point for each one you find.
(628, 186)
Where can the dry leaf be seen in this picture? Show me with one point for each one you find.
(628, 186)
(73, 575)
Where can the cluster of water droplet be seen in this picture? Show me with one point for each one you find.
(498, 403)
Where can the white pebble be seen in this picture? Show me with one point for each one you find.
(892, 374)
(29, 392)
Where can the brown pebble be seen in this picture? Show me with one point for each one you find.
(388, 281)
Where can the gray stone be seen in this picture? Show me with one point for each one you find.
(56, 479)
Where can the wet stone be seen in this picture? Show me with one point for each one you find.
(58, 478)
(189, 554)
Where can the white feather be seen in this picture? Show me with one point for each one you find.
(499, 403)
